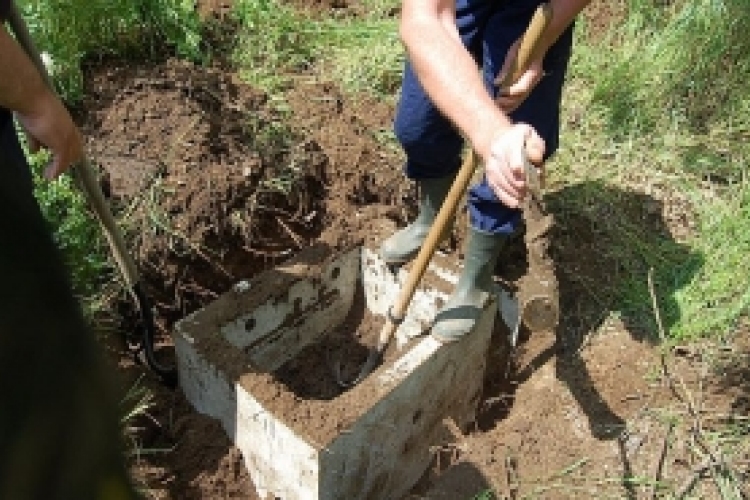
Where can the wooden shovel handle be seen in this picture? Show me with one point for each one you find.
(83, 171)
(529, 48)
(526, 52)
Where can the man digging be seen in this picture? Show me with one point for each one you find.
(444, 99)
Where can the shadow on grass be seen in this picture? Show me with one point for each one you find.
(604, 242)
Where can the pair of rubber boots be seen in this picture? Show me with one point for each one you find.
(464, 307)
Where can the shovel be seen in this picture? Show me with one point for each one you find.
(86, 179)
(397, 312)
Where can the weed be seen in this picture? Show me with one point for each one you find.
(665, 70)
(278, 42)
(75, 230)
(136, 403)
(135, 408)
(484, 495)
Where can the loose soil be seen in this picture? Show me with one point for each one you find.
(215, 185)
(307, 391)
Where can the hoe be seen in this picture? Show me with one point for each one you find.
(142, 348)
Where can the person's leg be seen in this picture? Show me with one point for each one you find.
(59, 427)
(431, 142)
(541, 109)
(491, 223)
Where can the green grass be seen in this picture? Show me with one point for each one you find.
(276, 43)
(75, 230)
(720, 293)
(273, 41)
(685, 62)
(68, 30)
(484, 495)
(657, 125)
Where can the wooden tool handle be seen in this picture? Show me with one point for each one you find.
(434, 236)
(89, 184)
(82, 171)
(529, 48)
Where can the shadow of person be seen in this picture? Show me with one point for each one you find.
(604, 243)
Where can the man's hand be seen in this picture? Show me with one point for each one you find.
(508, 99)
(505, 164)
(50, 126)
(39, 111)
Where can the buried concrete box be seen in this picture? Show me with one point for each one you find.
(230, 355)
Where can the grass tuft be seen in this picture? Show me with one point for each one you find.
(679, 62)
(277, 43)
(69, 30)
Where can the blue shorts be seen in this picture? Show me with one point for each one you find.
(433, 145)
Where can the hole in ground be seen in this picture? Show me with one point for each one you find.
(311, 373)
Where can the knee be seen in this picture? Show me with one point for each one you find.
(409, 132)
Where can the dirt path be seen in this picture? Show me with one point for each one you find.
(215, 185)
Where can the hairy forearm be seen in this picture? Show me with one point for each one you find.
(22, 88)
(447, 72)
(563, 14)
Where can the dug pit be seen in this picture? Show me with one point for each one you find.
(261, 360)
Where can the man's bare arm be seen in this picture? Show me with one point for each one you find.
(37, 108)
(451, 78)
(563, 14)
(447, 71)
(21, 87)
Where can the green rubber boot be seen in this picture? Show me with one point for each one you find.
(403, 245)
(464, 307)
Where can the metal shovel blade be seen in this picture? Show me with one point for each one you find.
(510, 312)
(374, 358)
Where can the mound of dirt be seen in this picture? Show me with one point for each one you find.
(210, 179)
